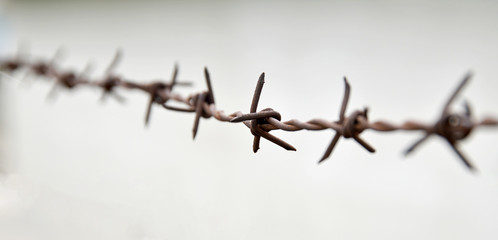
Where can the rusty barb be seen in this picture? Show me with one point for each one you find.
(453, 127)
(349, 127)
(254, 119)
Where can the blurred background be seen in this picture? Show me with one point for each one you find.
(76, 168)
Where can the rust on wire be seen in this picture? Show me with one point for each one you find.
(254, 119)
(13, 64)
(349, 127)
(453, 127)
(110, 80)
(198, 100)
(159, 92)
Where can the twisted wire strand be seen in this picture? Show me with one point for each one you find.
(452, 127)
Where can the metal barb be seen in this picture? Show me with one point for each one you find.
(198, 112)
(457, 91)
(467, 163)
(158, 92)
(110, 80)
(257, 93)
(351, 127)
(148, 111)
(345, 100)
(254, 125)
(114, 62)
(200, 99)
(210, 100)
(417, 143)
(173, 77)
(452, 127)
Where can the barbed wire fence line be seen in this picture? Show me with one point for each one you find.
(452, 127)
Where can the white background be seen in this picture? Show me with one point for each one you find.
(74, 168)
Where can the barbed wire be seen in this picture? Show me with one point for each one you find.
(452, 127)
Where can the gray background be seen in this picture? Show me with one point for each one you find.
(78, 169)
